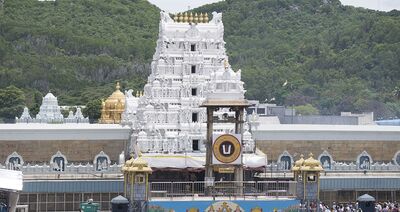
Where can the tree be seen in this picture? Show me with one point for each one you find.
(396, 92)
(306, 110)
(37, 100)
(12, 102)
(93, 110)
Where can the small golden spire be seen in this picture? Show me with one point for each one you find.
(190, 17)
(206, 18)
(117, 87)
(141, 93)
(196, 18)
(180, 17)
(176, 17)
(185, 18)
(137, 93)
(201, 17)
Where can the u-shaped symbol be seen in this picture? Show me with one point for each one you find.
(224, 151)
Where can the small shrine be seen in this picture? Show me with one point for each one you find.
(49, 110)
(25, 117)
(136, 178)
(50, 113)
(307, 175)
(113, 107)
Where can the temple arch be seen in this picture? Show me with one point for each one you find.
(396, 158)
(364, 161)
(14, 161)
(58, 162)
(285, 161)
(101, 162)
(326, 160)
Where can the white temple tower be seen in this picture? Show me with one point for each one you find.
(190, 57)
(50, 113)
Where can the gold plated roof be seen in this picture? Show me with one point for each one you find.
(113, 107)
(310, 164)
(191, 18)
(136, 165)
(298, 163)
(116, 95)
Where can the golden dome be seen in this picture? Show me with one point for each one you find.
(136, 165)
(116, 97)
(298, 163)
(311, 164)
(113, 107)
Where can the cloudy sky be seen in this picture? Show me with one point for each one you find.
(174, 6)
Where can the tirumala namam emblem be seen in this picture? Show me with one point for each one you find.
(226, 148)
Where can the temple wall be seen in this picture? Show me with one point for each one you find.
(74, 150)
(344, 150)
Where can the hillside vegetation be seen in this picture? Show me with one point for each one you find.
(333, 57)
(75, 49)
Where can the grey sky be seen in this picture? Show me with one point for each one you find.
(174, 6)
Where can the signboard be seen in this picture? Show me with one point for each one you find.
(227, 149)
(227, 170)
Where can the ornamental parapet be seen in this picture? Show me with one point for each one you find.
(191, 18)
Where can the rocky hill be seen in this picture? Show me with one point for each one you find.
(333, 57)
(76, 49)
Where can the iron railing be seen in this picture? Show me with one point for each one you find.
(223, 188)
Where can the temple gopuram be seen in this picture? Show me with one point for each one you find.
(66, 161)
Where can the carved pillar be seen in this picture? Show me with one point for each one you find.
(209, 170)
(239, 130)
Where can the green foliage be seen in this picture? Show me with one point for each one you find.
(336, 58)
(76, 49)
(12, 101)
(396, 92)
(93, 110)
(306, 110)
(393, 109)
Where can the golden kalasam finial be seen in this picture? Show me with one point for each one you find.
(176, 17)
(206, 18)
(180, 17)
(185, 18)
(137, 93)
(141, 93)
(201, 18)
(190, 17)
(196, 18)
(117, 87)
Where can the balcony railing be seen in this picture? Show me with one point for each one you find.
(272, 189)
